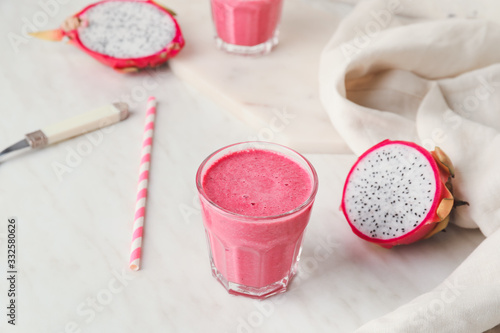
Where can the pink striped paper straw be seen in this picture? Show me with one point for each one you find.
(142, 189)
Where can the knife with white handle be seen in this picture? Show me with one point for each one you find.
(69, 128)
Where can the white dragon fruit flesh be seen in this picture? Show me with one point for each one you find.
(398, 193)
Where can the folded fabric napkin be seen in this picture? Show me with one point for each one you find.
(436, 82)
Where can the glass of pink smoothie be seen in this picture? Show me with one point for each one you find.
(246, 27)
(256, 199)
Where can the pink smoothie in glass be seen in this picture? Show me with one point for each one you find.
(246, 22)
(254, 233)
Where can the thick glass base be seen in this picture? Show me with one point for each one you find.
(253, 292)
(256, 50)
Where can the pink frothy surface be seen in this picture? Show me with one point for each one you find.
(246, 22)
(255, 183)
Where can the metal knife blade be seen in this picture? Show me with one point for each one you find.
(19, 145)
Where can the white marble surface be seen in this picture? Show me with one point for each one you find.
(258, 90)
(74, 230)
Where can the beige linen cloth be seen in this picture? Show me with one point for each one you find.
(435, 82)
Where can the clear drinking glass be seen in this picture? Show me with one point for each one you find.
(255, 256)
(246, 27)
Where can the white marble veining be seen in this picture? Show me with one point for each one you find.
(75, 230)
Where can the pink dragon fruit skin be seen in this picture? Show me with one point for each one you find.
(119, 64)
(434, 220)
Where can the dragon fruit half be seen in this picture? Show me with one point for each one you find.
(126, 35)
(398, 193)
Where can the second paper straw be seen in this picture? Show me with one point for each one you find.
(142, 188)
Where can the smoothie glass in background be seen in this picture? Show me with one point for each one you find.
(246, 27)
(256, 199)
